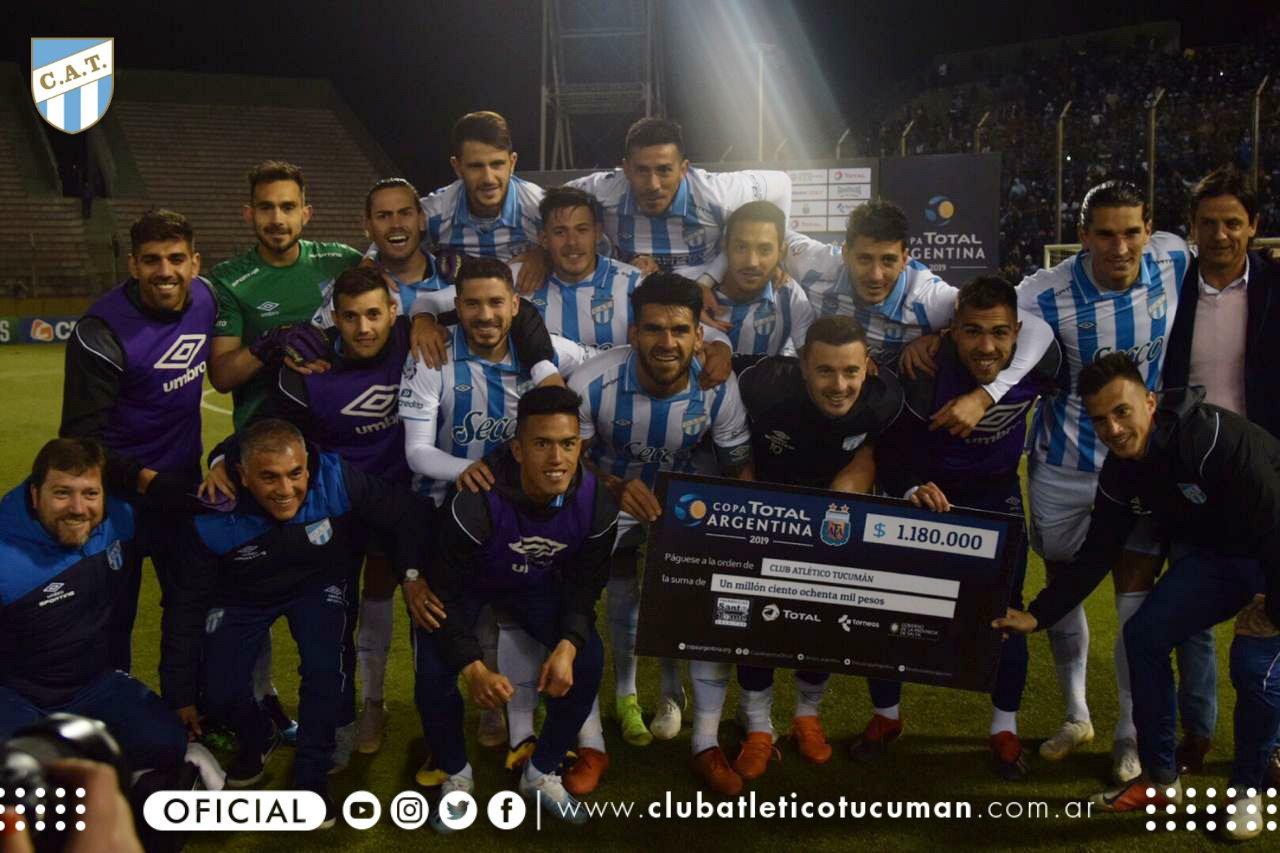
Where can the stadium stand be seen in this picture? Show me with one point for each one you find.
(1203, 121)
(43, 242)
(183, 141)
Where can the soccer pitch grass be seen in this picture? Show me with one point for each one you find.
(942, 756)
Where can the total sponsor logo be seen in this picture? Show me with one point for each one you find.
(750, 515)
(937, 249)
(772, 612)
(939, 210)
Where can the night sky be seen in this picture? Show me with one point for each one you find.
(408, 69)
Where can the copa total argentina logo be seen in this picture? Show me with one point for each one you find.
(72, 80)
(693, 510)
(940, 210)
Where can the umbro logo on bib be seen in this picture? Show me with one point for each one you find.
(537, 547)
(376, 401)
(181, 353)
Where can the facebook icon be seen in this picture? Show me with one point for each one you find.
(506, 810)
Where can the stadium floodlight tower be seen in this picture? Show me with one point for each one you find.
(599, 73)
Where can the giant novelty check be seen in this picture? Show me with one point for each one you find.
(784, 576)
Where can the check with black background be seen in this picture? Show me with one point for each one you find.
(783, 576)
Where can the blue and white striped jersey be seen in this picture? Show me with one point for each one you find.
(410, 293)
(689, 233)
(596, 311)
(451, 225)
(466, 408)
(1090, 322)
(775, 323)
(919, 303)
(598, 317)
(634, 435)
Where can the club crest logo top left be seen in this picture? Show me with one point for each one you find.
(72, 80)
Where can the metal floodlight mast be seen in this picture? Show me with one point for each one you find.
(598, 60)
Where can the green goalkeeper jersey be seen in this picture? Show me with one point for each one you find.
(254, 296)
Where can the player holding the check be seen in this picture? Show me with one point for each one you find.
(936, 469)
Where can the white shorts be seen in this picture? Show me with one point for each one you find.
(1061, 500)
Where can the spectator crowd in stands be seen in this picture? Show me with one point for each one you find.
(1203, 120)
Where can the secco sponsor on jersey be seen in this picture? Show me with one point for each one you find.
(477, 426)
(1148, 351)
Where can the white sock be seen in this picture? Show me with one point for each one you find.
(466, 773)
(591, 735)
(1003, 721)
(373, 641)
(211, 772)
(808, 696)
(624, 614)
(1069, 642)
(262, 685)
(892, 712)
(520, 659)
(710, 684)
(1127, 604)
(672, 683)
(757, 706)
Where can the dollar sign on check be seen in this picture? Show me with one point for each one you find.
(879, 530)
